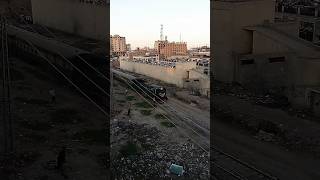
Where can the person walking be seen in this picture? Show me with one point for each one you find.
(61, 160)
(52, 93)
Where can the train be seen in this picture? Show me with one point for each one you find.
(21, 44)
(150, 91)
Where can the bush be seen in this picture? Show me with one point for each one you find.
(167, 124)
(143, 105)
(65, 116)
(146, 112)
(129, 149)
(269, 127)
(131, 98)
(92, 136)
(160, 116)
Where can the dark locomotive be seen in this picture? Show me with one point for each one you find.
(151, 91)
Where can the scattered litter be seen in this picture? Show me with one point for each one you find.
(176, 169)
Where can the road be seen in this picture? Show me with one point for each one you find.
(264, 156)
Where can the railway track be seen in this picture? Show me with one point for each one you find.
(224, 166)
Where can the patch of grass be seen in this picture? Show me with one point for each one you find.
(38, 138)
(23, 87)
(131, 98)
(129, 149)
(159, 116)
(16, 75)
(91, 136)
(121, 101)
(143, 105)
(36, 125)
(269, 127)
(167, 124)
(65, 116)
(28, 156)
(32, 101)
(103, 159)
(145, 112)
(147, 146)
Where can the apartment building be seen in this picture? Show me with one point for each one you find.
(118, 45)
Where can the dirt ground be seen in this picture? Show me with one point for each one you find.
(268, 138)
(169, 145)
(41, 128)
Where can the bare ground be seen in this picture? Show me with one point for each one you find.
(42, 128)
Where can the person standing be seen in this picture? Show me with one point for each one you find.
(129, 109)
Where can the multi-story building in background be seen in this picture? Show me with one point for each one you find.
(118, 45)
(167, 49)
(128, 46)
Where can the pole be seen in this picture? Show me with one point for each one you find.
(111, 90)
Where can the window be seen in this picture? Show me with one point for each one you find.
(276, 59)
(247, 61)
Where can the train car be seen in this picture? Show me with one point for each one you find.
(151, 91)
(62, 55)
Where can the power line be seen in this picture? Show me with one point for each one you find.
(79, 89)
(204, 149)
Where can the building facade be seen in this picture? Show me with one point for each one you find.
(166, 49)
(263, 54)
(118, 45)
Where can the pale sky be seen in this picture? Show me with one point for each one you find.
(139, 21)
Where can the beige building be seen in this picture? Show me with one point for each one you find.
(167, 49)
(253, 49)
(118, 45)
(81, 17)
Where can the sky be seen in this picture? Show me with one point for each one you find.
(139, 21)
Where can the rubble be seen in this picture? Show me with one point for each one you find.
(157, 154)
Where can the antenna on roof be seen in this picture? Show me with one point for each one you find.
(161, 33)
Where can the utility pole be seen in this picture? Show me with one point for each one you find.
(111, 91)
(6, 92)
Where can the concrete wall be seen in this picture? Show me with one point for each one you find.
(263, 44)
(228, 34)
(167, 74)
(263, 74)
(200, 81)
(295, 75)
(72, 16)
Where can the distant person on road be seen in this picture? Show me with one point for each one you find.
(129, 110)
(52, 93)
(61, 160)
(126, 92)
